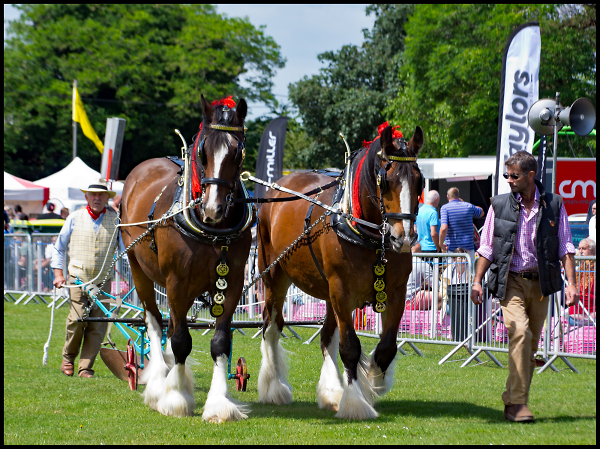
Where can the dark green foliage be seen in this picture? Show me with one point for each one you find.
(145, 63)
(452, 72)
(351, 93)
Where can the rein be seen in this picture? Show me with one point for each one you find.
(246, 176)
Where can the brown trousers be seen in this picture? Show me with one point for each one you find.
(524, 310)
(92, 334)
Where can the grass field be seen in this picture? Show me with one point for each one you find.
(429, 404)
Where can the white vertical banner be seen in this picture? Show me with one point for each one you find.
(519, 89)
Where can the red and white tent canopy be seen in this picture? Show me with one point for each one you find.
(17, 189)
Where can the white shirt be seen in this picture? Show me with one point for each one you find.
(64, 237)
(592, 230)
(421, 273)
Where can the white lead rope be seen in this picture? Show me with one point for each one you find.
(47, 345)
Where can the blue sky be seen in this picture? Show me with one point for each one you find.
(302, 32)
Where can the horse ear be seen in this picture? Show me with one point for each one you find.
(207, 109)
(387, 140)
(241, 110)
(416, 142)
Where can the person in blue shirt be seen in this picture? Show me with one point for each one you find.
(457, 223)
(428, 224)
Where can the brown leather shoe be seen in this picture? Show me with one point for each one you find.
(518, 413)
(86, 373)
(67, 368)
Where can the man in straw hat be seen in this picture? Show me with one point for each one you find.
(90, 235)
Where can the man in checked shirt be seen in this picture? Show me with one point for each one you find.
(526, 234)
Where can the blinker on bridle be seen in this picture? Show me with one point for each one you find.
(382, 182)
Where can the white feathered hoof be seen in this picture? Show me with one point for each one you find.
(179, 393)
(219, 407)
(155, 378)
(329, 396)
(274, 391)
(218, 410)
(272, 385)
(353, 404)
(381, 383)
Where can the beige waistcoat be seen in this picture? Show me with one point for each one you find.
(87, 250)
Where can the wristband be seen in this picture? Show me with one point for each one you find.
(476, 283)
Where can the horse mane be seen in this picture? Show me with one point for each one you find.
(368, 175)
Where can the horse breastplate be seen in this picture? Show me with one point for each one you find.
(190, 224)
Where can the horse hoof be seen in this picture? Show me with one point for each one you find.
(218, 412)
(177, 404)
(329, 399)
(276, 393)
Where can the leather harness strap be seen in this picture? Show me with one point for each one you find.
(288, 198)
(312, 253)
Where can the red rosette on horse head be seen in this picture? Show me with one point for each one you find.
(226, 101)
(396, 133)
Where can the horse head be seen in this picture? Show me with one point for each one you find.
(220, 155)
(399, 184)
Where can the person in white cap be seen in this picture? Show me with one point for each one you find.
(90, 235)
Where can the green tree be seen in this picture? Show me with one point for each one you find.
(145, 63)
(351, 93)
(450, 82)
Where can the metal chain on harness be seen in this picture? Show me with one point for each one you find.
(294, 243)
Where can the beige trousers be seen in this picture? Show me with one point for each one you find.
(92, 334)
(524, 310)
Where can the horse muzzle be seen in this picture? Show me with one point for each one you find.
(212, 214)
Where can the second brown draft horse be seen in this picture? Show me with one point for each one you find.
(347, 282)
(186, 265)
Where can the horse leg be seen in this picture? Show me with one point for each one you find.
(329, 389)
(219, 407)
(155, 373)
(272, 385)
(356, 402)
(178, 399)
(380, 371)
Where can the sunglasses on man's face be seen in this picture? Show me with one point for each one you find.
(512, 175)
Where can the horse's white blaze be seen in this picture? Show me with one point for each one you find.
(272, 384)
(329, 389)
(405, 208)
(155, 373)
(219, 407)
(219, 157)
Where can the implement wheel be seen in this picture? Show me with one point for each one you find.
(241, 376)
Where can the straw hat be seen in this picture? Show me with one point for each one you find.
(101, 187)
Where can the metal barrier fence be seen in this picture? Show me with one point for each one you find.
(447, 316)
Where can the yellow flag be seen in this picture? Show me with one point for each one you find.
(81, 117)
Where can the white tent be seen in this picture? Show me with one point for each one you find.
(29, 196)
(65, 184)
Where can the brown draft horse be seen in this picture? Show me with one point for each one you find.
(349, 271)
(186, 267)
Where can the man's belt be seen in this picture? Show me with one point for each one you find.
(527, 275)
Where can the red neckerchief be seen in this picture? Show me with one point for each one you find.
(92, 214)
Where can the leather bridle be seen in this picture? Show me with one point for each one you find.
(382, 182)
(240, 156)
